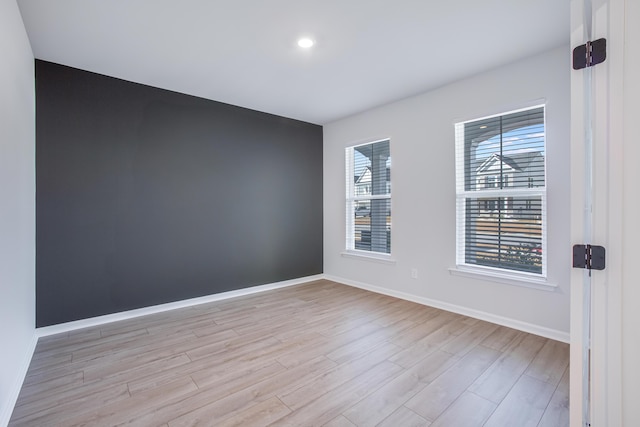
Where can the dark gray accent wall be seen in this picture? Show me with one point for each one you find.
(146, 196)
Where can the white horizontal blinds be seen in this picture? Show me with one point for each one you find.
(505, 151)
(349, 186)
(369, 198)
(501, 191)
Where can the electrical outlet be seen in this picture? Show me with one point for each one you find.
(414, 273)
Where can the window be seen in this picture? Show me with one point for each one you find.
(368, 198)
(501, 192)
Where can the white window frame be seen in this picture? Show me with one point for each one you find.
(352, 198)
(503, 275)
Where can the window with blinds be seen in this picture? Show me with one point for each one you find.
(501, 192)
(368, 197)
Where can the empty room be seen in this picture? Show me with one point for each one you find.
(319, 213)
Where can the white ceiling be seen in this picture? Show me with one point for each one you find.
(244, 52)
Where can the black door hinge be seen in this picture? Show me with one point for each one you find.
(590, 257)
(589, 54)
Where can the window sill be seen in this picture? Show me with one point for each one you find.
(369, 256)
(514, 279)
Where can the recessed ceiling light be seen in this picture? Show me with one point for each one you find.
(305, 42)
(483, 127)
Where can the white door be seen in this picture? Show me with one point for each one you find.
(629, 224)
(596, 187)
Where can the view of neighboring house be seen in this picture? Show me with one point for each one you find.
(363, 184)
(517, 170)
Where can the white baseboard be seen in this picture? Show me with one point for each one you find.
(6, 408)
(465, 311)
(125, 315)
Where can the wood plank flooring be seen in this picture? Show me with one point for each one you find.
(319, 354)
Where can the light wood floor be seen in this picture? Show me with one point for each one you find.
(320, 354)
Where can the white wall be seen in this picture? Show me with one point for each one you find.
(423, 190)
(17, 198)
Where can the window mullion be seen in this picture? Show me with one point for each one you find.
(507, 192)
(377, 197)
